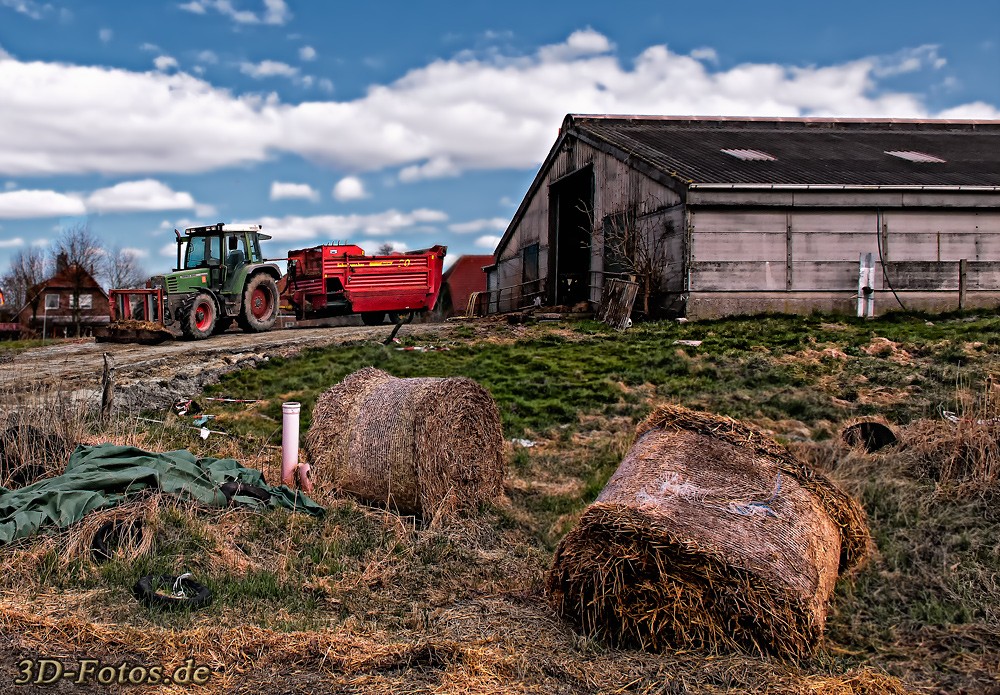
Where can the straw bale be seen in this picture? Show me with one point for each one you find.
(712, 536)
(426, 446)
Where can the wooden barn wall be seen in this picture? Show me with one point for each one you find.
(616, 186)
(811, 256)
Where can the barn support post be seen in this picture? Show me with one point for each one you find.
(962, 282)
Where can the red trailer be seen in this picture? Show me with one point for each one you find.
(338, 279)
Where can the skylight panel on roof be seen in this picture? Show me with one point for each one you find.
(751, 155)
(912, 156)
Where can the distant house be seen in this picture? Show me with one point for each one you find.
(50, 310)
(465, 276)
(746, 215)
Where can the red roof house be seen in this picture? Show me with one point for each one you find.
(52, 308)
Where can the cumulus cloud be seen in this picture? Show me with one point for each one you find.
(488, 241)
(349, 188)
(137, 253)
(268, 68)
(496, 224)
(164, 63)
(274, 12)
(307, 53)
(128, 196)
(449, 116)
(436, 168)
(207, 56)
(11, 243)
(285, 191)
(301, 228)
(25, 204)
(139, 196)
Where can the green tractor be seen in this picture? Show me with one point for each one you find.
(221, 277)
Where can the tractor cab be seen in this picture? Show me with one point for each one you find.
(221, 249)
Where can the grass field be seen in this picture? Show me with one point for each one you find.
(362, 600)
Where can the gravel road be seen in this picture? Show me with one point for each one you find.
(151, 375)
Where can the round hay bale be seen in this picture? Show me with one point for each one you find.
(710, 536)
(427, 446)
(871, 435)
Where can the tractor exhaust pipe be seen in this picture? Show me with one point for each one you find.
(290, 465)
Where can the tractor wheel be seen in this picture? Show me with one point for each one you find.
(260, 304)
(198, 321)
(373, 318)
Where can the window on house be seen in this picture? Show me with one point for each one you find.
(52, 301)
(86, 301)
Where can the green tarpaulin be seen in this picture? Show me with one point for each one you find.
(99, 477)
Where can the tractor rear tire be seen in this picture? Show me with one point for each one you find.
(373, 318)
(259, 309)
(198, 320)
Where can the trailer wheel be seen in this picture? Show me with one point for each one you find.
(259, 309)
(198, 320)
(373, 318)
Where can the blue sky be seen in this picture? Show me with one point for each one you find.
(413, 123)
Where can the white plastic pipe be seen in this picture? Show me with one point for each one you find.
(289, 441)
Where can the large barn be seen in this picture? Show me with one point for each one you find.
(719, 216)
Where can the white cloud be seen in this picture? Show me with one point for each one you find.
(40, 242)
(449, 116)
(496, 224)
(150, 48)
(28, 8)
(275, 12)
(307, 53)
(24, 204)
(585, 42)
(706, 54)
(164, 63)
(138, 253)
(268, 68)
(194, 7)
(349, 188)
(11, 243)
(137, 196)
(487, 242)
(4, 55)
(284, 191)
(105, 35)
(169, 250)
(299, 228)
(909, 60)
(436, 168)
(207, 56)
(326, 85)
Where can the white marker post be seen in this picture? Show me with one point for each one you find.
(289, 441)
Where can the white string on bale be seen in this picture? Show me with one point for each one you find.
(426, 446)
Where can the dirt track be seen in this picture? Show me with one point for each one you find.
(149, 375)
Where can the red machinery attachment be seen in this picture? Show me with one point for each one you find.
(136, 317)
(337, 279)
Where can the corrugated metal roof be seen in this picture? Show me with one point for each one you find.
(806, 151)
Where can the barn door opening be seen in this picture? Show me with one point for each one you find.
(571, 201)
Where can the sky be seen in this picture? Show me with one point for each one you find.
(413, 123)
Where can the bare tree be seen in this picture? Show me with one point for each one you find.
(122, 269)
(385, 249)
(636, 244)
(78, 254)
(27, 269)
